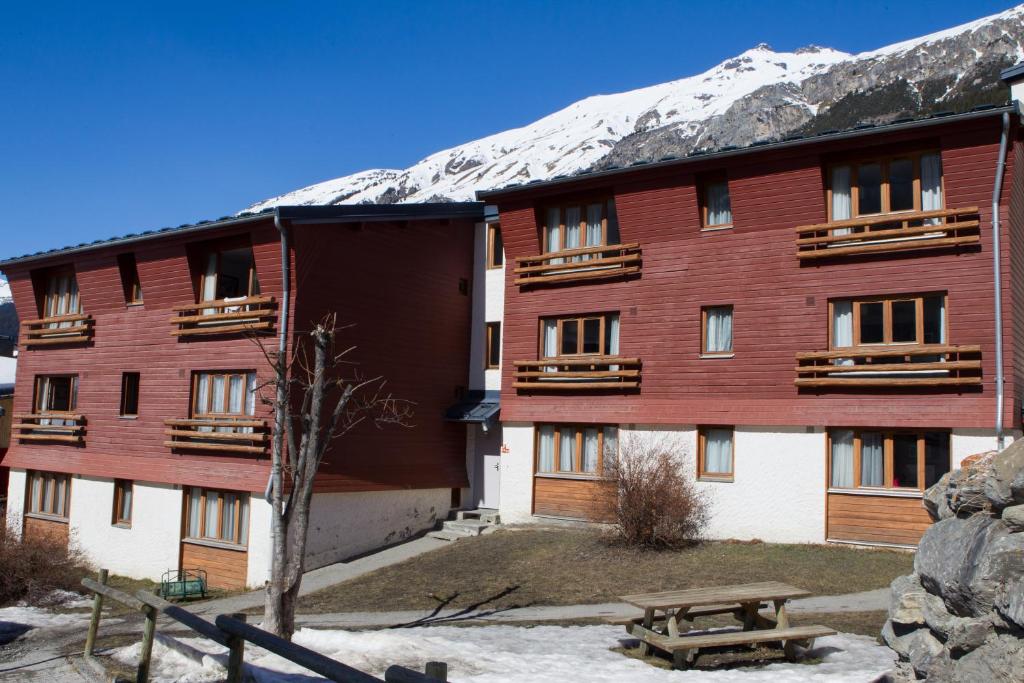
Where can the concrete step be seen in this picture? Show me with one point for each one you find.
(465, 527)
(445, 535)
(484, 515)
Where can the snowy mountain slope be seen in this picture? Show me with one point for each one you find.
(759, 94)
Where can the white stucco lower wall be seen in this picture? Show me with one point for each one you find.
(258, 572)
(146, 549)
(342, 525)
(967, 442)
(516, 472)
(15, 501)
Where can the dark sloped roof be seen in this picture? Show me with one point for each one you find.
(344, 213)
(478, 407)
(757, 146)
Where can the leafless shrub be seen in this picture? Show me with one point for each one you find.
(32, 569)
(652, 501)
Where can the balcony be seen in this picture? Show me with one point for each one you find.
(929, 365)
(75, 328)
(577, 374)
(575, 265)
(59, 427)
(225, 316)
(889, 233)
(223, 434)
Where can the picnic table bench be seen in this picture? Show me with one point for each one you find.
(662, 624)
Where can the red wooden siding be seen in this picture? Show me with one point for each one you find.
(139, 339)
(399, 286)
(780, 306)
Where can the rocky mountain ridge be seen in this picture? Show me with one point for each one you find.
(758, 95)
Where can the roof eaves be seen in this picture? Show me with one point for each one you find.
(757, 147)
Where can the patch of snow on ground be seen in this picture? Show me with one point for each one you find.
(510, 654)
(37, 617)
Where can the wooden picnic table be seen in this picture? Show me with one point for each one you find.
(743, 601)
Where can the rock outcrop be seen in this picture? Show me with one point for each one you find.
(960, 616)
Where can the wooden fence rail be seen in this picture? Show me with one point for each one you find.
(232, 632)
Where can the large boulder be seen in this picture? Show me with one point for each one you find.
(936, 499)
(905, 598)
(1013, 518)
(1010, 603)
(1000, 658)
(961, 634)
(1004, 485)
(967, 485)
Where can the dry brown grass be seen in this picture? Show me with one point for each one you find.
(579, 566)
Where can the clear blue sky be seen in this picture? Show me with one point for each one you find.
(118, 117)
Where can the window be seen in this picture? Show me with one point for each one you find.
(229, 274)
(577, 225)
(495, 247)
(60, 297)
(716, 208)
(912, 319)
(714, 453)
(129, 394)
(716, 331)
(584, 335)
(887, 459)
(130, 279)
(48, 494)
(575, 449)
(122, 502)
(212, 515)
(220, 394)
(493, 360)
(55, 394)
(908, 182)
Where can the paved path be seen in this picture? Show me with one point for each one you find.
(853, 602)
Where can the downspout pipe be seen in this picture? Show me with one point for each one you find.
(997, 190)
(274, 480)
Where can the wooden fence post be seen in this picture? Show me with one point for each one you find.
(236, 653)
(97, 609)
(438, 670)
(146, 654)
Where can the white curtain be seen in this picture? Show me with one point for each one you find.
(718, 451)
(572, 229)
(841, 198)
(550, 342)
(611, 445)
(589, 463)
(546, 457)
(218, 394)
(593, 236)
(719, 207)
(126, 502)
(931, 185)
(612, 321)
(227, 527)
(37, 487)
(566, 450)
(193, 512)
(554, 232)
(210, 529)
(872, 466)
(842, 328)
(719, 330)
(842, 459)
(243, 520)
(202, 393)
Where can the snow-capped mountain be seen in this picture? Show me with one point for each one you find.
(757, 95)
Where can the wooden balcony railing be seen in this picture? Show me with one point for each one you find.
(75, 328)
(571, 265)
(227, 434)
(933, 365)
(577, 374)
(62, 427)
(888, 233)
(225, 316)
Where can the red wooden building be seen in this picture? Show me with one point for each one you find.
(811, 321)
(138, 426)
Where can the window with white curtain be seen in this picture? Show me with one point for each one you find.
(49, 493)
(717, 332)
(61, 298)
(887, 459)
(716, 211)
(904, 182)
(577, 225)
(575, 449)
(715, 452)
(214, 515)
(580, 335)
(874, 321)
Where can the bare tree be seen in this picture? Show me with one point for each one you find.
(318, 397)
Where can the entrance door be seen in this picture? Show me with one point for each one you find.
(491, 480)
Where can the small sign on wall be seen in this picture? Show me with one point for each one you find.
(505, 449)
